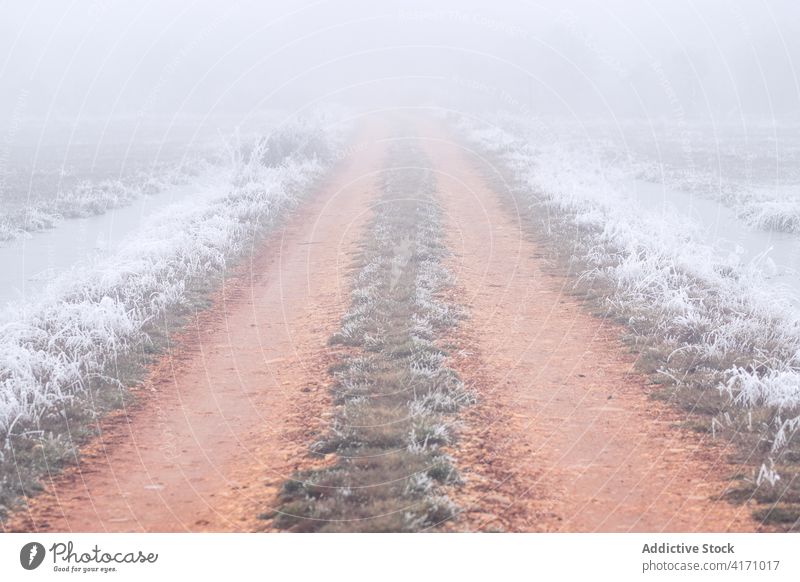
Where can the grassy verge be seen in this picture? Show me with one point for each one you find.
(393, 390)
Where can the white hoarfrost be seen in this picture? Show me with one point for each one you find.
(93, 198)
(52, 350)
(705, 301)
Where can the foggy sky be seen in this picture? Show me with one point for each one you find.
(86, 60)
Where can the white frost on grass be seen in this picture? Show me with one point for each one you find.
(94, 198)
(52, 351)
(753, 168)
(660, 269)
(772, 208)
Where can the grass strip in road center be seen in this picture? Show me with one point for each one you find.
(393, 391)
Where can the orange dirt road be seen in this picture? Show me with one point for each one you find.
(564, 437)
(235, 404)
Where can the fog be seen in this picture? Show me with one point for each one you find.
(79, 62)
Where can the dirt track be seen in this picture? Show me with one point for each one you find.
(563, 436)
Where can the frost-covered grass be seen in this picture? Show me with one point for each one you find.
(752, 167)
(392, 386)
(59, 194)
(768, 206)
(772, 208)
(68, 357)
(90, 198)
(709, 326)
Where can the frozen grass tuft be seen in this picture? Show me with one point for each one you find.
(770, 210)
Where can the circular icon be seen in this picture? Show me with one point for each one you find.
(31, 555)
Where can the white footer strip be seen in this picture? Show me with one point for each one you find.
(420, 557)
